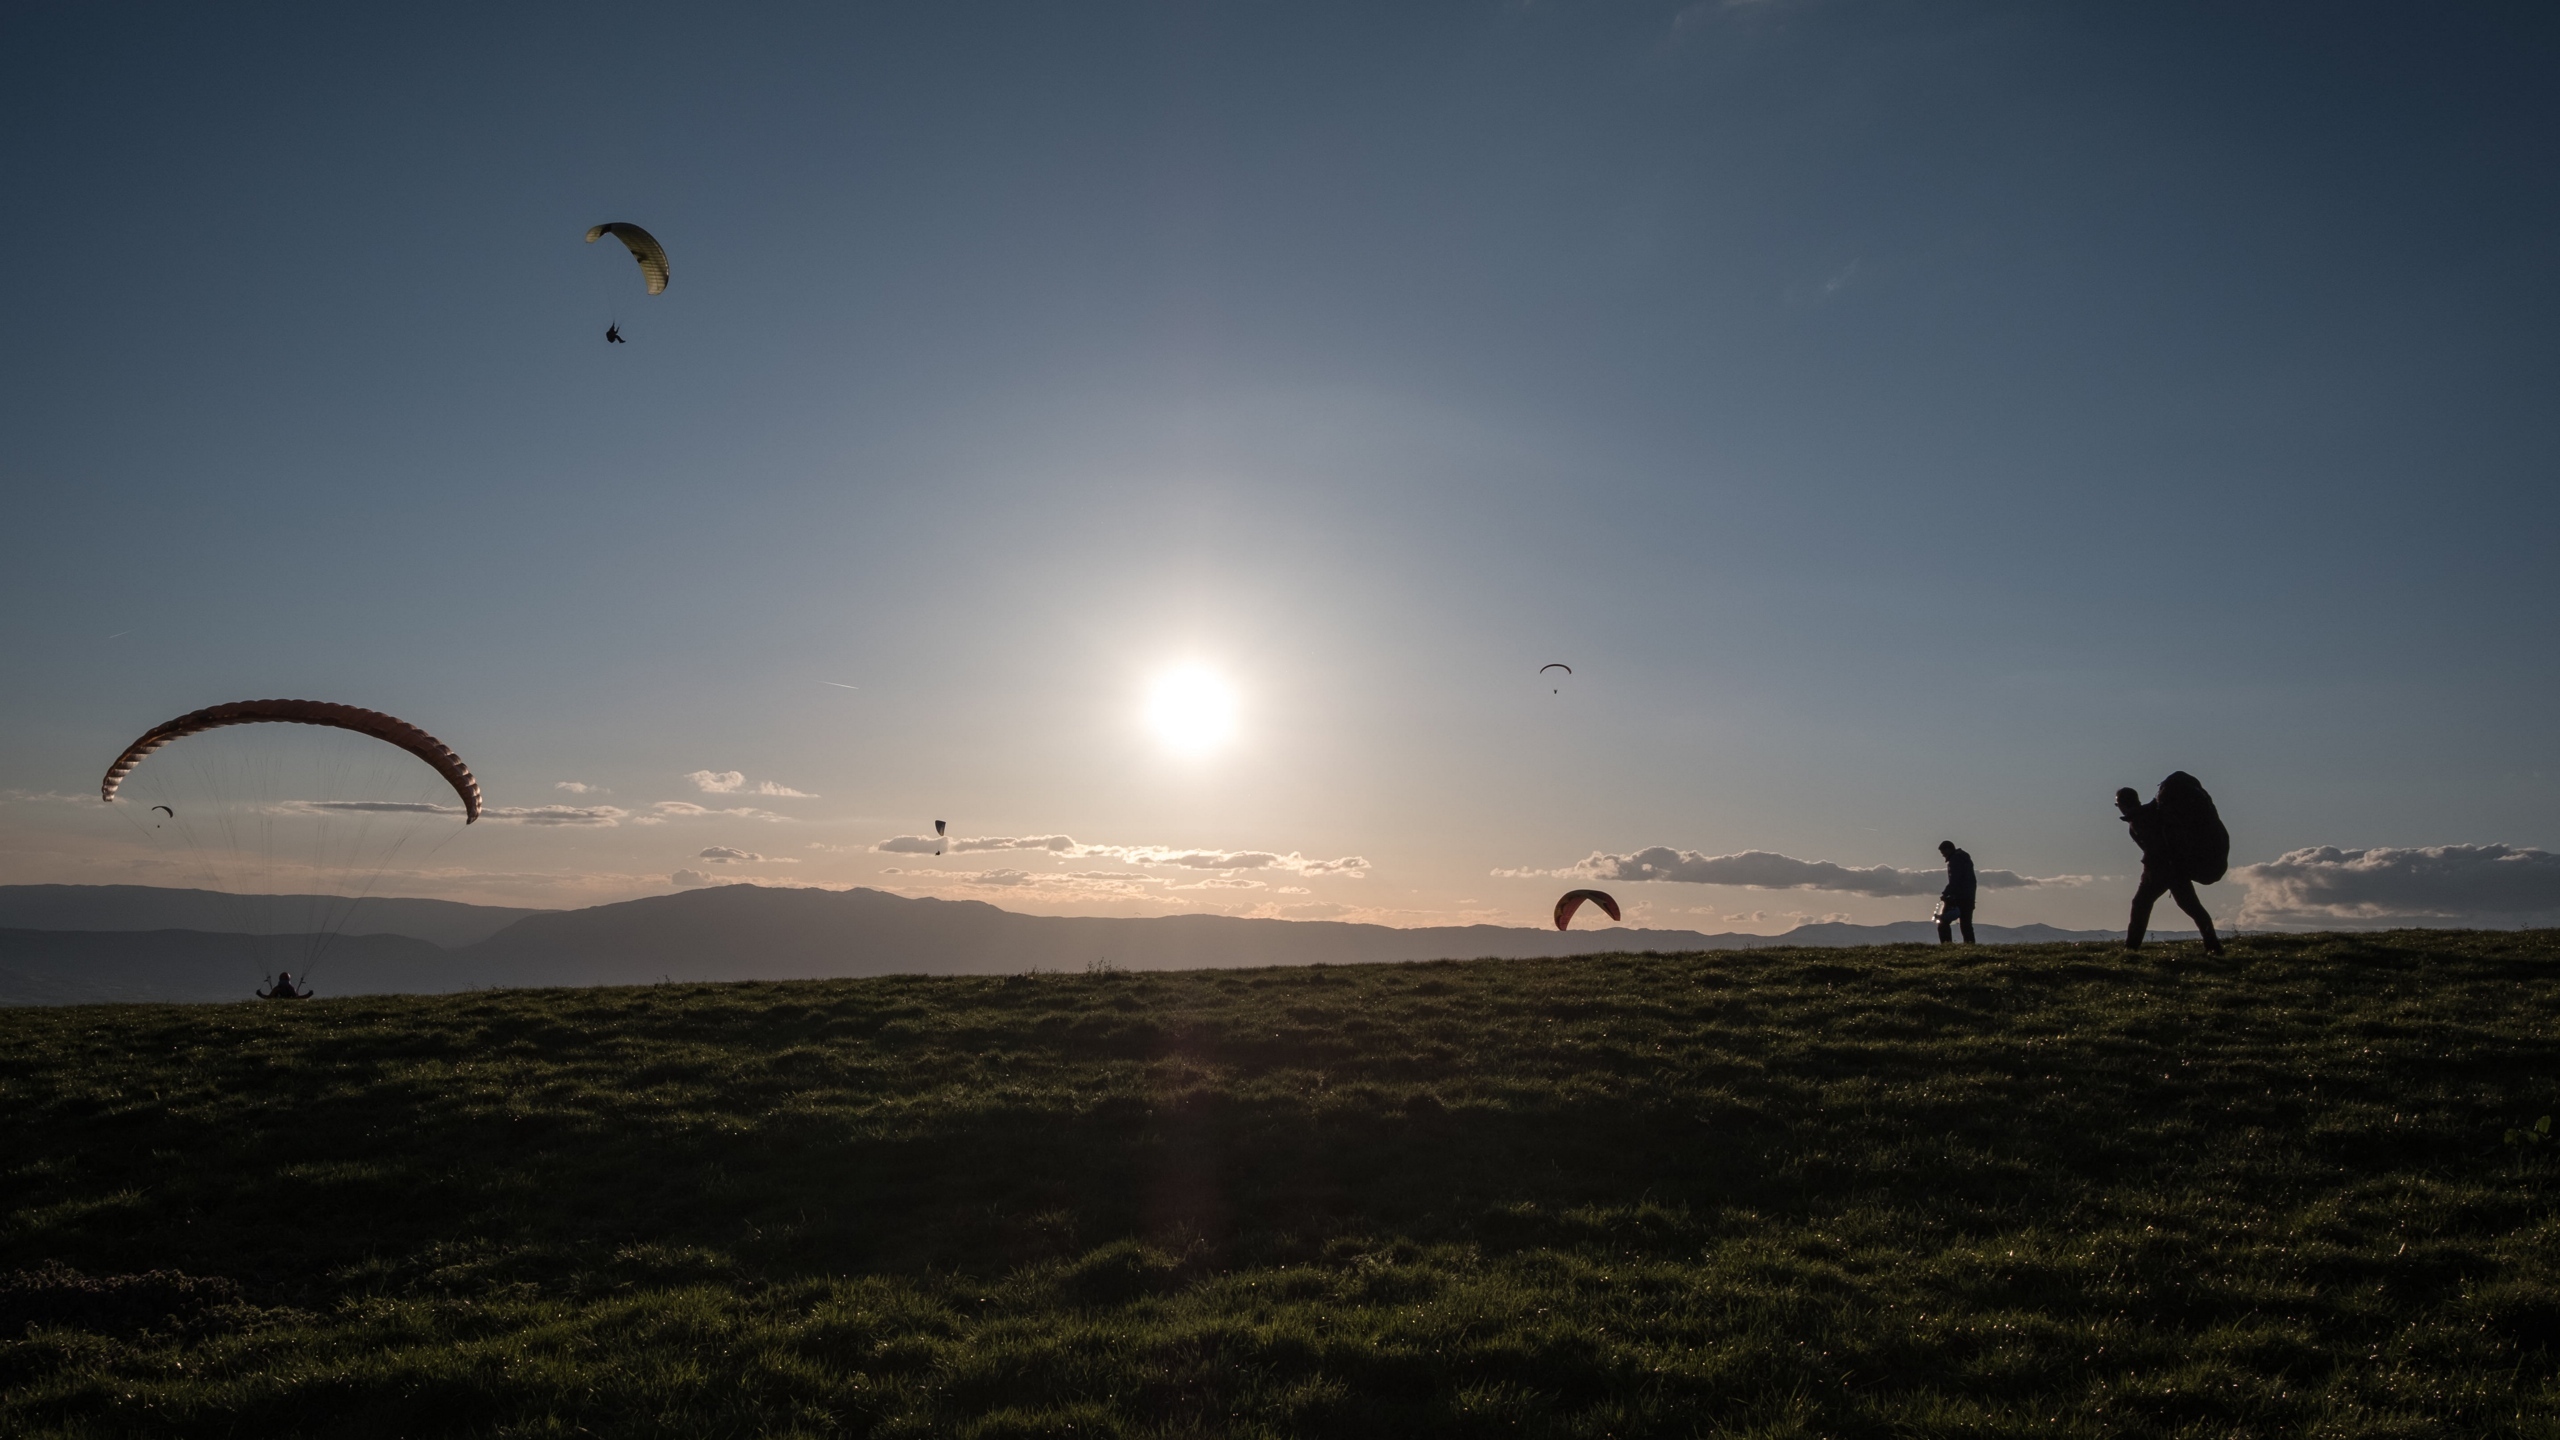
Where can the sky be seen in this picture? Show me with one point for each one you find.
(1910, 421)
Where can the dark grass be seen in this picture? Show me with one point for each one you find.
(1889, 1192)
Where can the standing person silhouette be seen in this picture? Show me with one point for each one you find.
(1955, 903)
(2164, 872)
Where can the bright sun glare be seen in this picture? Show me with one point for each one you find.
(1192, 710)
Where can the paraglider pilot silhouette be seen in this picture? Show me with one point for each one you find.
(613, 335)
(2183, 845)
(1955, 903)
(282, 988)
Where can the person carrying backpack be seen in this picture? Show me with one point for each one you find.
(1955, 903)
(2183, 845)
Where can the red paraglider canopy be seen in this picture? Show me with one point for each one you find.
(1573, 901)
(387, 728)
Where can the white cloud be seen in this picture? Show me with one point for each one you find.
(1065, 847)
(579, 787)
(734, 782)
(1767, 870)
(606, 815)
(691, 877)
(598, 815)
(2477, 883)
(731, 855)
(666, 810)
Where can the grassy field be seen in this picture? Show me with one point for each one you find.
(1900, 1191)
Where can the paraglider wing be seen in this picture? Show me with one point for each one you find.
(387, 728)
(644, 247)
(1573, 901)
(165, 810)
(1558, 665)
(937, 827)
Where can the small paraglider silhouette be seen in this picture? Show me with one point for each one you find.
(938, 833)
(165, 810)
(1558, 665)
(613, 335)
(1573, 901)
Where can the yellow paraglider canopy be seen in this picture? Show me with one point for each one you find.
(644, 248)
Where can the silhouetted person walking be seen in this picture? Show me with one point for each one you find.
(1955, 903)
(2177, 833)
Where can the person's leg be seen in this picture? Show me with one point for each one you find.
(2184, 892)
(1944, 936)
(1965, 916)
(2151, 889)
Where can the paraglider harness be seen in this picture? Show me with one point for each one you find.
(280, 987)
(613, 335)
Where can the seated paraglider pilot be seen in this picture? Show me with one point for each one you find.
(613, 335)
(283, 989)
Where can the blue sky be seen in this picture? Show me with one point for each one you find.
(1911, 421)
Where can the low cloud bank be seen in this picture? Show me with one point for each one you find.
(1768, 870)
(2325, 885)
(1352, 867)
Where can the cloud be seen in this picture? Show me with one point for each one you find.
(2326, 885)
(579, 787)
(1352, 867)
(731, 855)
(666, 810)
(605, 816)
(691, 877)
(1767, 870)
(733, 782)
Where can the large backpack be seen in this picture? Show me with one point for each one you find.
(2193, 829)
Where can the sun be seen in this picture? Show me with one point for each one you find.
(1192, 710)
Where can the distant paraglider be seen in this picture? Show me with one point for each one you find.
(644, 247)
(938, 833)
(613, 335)
(165, 810)
(1573, 901)
(1558, 665)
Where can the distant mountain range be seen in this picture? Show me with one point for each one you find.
(152, 907)
(732, 932)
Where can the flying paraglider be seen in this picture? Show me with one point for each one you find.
(938, 833)
(1558, 665)
(613, 335)
(1573, 901)
(644, 247)
(387, 728)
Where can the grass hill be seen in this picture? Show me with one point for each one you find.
(1896, 1191)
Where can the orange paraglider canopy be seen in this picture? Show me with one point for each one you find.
(1573, 901)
